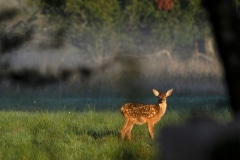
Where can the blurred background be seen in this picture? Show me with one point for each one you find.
(71, 54)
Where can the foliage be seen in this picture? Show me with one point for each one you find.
(98, 25)
(103, 27)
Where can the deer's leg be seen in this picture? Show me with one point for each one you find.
(150, 129)
(129, 130)
(124, 129)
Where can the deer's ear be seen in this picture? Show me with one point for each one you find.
(155, 92)
(169, 92)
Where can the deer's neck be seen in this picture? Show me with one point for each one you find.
(163, 106)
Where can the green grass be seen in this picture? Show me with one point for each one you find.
(90, 134)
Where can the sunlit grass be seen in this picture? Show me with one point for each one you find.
(79, 135)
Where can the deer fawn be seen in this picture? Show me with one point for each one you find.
(144, 113)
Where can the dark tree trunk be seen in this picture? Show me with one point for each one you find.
(225, 24)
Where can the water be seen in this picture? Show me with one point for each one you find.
(101, 103)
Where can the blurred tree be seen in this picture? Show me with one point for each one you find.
(138, 22)
(226, 31)
(99, 28)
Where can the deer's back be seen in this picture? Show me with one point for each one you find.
(149, 111)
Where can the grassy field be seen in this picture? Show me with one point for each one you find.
(89, 134)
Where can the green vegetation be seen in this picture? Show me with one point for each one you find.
(99, 28)
(93, 35)
(102, 27)
(80, 135)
